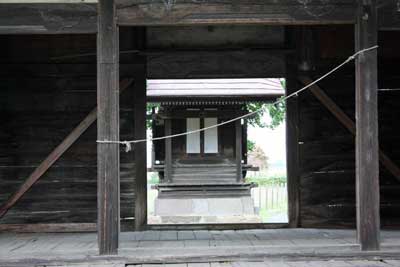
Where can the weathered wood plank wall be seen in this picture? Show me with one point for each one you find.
(44, 95)
(326, 147)
(42, 99)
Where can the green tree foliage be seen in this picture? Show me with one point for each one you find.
(276, 111)
(250, 145)
(149, 110)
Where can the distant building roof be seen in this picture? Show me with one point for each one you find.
(242, 90)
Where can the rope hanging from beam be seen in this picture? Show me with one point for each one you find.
(128, 143)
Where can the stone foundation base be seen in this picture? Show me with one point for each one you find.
(205, 210)
(204, 219)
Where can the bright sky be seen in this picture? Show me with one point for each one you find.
(273, 142)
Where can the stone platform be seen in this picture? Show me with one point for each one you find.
(205, 210)
(268, 247)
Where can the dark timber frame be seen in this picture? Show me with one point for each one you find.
(108, 197)
(40, 19)
(168, 151)
(367, 142)
(238, 147)
(140, 148)
(292, 147)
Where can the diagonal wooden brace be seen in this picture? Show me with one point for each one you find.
(56, 154)
(347, 122)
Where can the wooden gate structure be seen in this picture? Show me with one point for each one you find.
(300, 19)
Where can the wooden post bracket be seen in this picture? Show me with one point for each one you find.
(347, 122)
(55, 154)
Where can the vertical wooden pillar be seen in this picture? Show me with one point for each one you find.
(140, 148)
(168, 151)
(238, 153)
(367, 158)
(292, 138)
(202, 136)
(108, 223)
(244, 141)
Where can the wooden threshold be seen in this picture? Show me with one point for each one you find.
(129, 226)
(126, 226)
(48, 228)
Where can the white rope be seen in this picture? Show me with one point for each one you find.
(128, 143)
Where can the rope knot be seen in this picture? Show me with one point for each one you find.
(128, 146)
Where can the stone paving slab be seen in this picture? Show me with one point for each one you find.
(331, 263)
(180, 246)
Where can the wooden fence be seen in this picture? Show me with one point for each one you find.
(270, 197)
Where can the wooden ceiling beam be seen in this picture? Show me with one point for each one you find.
(65, 17)
(211, 12)
(48, 18)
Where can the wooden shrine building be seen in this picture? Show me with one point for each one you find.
(205, 168)
(67, 66)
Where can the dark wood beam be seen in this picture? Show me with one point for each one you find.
(238, 149)
(168, 151)
(292, 155)
(183, 114)
(367, 142)
(48, 18)
(245, 142)
(292, 136)
(348, 123)
(108, 198)
(167, 64)
(140, 150)
(56, 18)
(285, 12)
(202, 137)
(55, 155)
(216, 64)
(57, 227)
(388, 15)
(48, 228)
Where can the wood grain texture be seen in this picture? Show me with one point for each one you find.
(238, 150)
(168, 151)
(63, 18)
(45, 18)
(216, 64)
(388, 18)
(48, 228)
(49, 161)
(367, 142)
(140, 150)
(41, 103)
(108, 187)
(132, 12)
(326, 147)
(348, 123)
(54, 156)
(292, 139)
